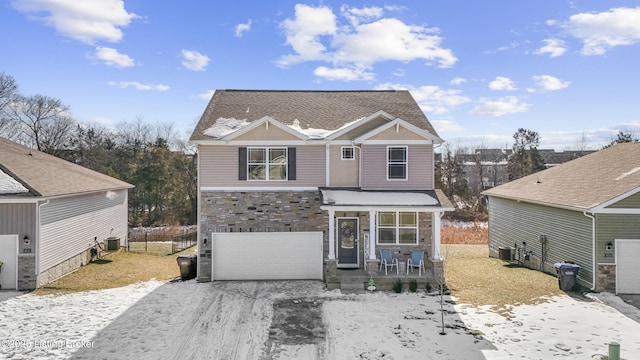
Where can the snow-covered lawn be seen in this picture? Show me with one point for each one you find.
(234, 320)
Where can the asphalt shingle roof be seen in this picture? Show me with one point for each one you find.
(582, 183)
(47, 175)
(328, 110)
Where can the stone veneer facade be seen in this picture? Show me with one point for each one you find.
(606, 278)
(259, 211)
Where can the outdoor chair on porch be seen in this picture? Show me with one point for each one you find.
(416, 260)
(388, 261)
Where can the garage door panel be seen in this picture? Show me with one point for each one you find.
(627, 270)
(267, 256)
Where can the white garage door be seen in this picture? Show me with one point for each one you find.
(9, 259)
(267, 256)
(627, 270)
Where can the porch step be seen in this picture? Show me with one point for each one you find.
(351, 285)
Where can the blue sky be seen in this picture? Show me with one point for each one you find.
(479, 69)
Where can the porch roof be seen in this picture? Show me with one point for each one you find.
(424, 201)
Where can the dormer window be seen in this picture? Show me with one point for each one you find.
(348, 153)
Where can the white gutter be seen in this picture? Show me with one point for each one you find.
(38, 238)
(593, 250)
(359, 164)
(327, 165)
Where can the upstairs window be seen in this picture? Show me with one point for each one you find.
(348, 153)
(397, 163)
(267, 164)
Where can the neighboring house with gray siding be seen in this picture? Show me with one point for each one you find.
(337, 175)
(586, 211)
(51, 213)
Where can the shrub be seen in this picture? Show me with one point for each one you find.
(413, 285)
(397, 286)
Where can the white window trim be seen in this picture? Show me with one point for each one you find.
(406, 163)
(397, 228)
(353, 153)
(267, 149)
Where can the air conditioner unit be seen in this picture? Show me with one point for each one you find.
(504, 254)
(113, 244)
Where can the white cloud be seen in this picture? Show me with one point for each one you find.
(398, 72)
(430, 98)
(242, 28)
(316, 35)
(194, 60)
(550, 83)
(304, 32)
(112, 57)
(356, 15)
(103, 121)
(600, 32)
(139, 86)
(206, 95)
(499, 107)
(457, 81)
(446, 126)
(86, 21)
(502, 83)
(553, 47)
(346, 74)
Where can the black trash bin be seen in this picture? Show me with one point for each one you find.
(188, 266)
(567, 274)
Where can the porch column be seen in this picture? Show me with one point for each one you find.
(372, 235)
(435, 242)
(332, 232)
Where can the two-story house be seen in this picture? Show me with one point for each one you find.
(300, 184)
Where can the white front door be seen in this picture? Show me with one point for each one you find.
(9, 259)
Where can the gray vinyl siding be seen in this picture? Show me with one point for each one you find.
(69, 225)
(420, 168)
(218, 166)
(344, 172)
(568, 233)
(18, 219)
(610, 227)
(631, 202)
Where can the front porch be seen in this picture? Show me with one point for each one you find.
(357, 279)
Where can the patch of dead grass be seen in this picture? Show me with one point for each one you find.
(473, 234)
(116, 270)
(476, 279)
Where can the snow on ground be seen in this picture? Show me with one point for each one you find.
(233, 320)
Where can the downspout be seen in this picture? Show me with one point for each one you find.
(38, 238)
(593, 250)
(359, 164)
(433, 160)
(327, 165)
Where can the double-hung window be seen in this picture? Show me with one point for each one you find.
(397, 163)
(397, 227)
(267, 163)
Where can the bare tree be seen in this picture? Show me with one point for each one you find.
(44, 120)
(8, 95)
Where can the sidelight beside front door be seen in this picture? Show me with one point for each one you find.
(347, 229)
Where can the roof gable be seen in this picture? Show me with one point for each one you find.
(319, 110)
(265, 128)
(46, 175)
(588, 183)
(397, 129)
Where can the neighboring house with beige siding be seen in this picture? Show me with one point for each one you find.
(337, 175)
(586, 210)
(51, 213)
